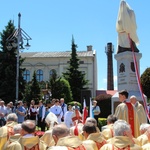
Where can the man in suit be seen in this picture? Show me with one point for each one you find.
(63, 107)
(41, 116)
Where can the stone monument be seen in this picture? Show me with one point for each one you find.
(127, 41)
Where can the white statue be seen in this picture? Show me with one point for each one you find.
(126, 28)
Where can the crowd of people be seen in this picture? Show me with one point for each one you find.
(38, 112)
(62, 127)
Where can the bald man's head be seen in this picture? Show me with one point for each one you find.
(92, 120)
(28, 126)
(133, 99)
(60, 130)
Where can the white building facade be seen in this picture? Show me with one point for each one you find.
(45, 62)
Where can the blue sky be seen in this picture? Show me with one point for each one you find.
(51, 24)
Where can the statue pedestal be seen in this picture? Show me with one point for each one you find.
(126, 71)
(126, 77)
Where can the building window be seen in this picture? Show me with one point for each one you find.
(52, 72)
(81, 62)
(39, 75)
(26, 75)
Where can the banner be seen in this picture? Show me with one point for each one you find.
(138, 78)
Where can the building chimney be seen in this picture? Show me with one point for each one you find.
(110, 82)
(89, 48)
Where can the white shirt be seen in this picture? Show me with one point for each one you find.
(3, 110)
(64, 109)
(68, 119)
(32, 109)
(56, 110)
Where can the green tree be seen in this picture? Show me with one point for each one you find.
(65, 90)
(75, 77)
(8, 67)
(42, 84)
(35, 90)
(60, 87)
(27, 97)
(145, 82)
(52, 84)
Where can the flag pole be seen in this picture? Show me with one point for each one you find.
(91, 111)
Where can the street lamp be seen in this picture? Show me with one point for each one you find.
(16, 40)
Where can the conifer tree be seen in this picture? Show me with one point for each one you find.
(75, 77)
(27, 97)
(35, 91)
(8, 67)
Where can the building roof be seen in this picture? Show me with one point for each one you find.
(56, 54)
